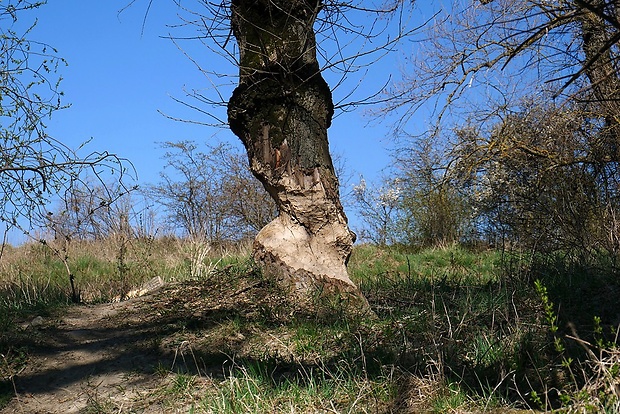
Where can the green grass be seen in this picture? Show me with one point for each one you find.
(371, 263)
(469, 326)
(254, 388)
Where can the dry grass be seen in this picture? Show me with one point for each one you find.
(452, 333)
(38, 273)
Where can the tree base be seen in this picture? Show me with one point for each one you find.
(310, 266)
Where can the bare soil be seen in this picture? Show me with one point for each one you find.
(116, 357)
(101, 352)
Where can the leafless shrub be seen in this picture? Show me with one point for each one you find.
(211, 195)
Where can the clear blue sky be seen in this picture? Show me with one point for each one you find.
(118, 78)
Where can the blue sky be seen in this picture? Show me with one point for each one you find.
(120, 77)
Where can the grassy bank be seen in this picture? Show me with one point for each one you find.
(454, 330)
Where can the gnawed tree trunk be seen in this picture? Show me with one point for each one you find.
(281, 110)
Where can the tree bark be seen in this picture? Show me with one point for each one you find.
(281, 110)
(603, 76)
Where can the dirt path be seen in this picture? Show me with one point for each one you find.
(89, 357)
(125, 357)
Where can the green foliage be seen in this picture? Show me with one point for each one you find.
(593, 390)
(550, 317)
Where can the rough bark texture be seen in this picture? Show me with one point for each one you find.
(603, 77)
(281, 110)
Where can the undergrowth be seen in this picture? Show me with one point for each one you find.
(453, 330)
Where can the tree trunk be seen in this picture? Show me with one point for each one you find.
(602, 74)
(281, 110)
